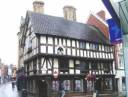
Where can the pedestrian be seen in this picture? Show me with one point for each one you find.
(63, 93)
(13, 83)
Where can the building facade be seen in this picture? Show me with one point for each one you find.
(98, 20)
(59, 54)
(120, 73)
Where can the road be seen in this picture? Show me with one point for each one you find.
(7, 91)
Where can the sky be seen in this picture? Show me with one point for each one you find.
(12, 10)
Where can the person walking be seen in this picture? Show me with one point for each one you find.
(63, 93)
(13, 83)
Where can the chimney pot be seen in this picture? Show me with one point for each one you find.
(69, 13)
(38, 6)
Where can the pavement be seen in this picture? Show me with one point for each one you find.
(6, 90)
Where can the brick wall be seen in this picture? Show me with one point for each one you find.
(98, 23)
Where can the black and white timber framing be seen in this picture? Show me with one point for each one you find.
(51, 45)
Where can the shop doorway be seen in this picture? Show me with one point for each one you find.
(42, 85)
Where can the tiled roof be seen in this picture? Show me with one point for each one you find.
(51, 25)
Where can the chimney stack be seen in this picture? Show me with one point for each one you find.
(69, 13)
(38, 6)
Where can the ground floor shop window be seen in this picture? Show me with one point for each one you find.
(78, 85)
(90, 86)
(67, 85)
(55, 85)
(107, 84)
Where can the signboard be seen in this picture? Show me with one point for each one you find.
(115, 32)
(55, 73)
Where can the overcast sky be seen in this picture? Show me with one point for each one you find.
(12, 10)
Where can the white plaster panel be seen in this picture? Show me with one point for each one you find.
(77, 44)
(43, 49)
(71, 71)
(68, 51)
(43, 40)
(87, 45)
(94, 54)
(78, 53)
(49, 72)
(60, 42)
(64, 42)
(50, 49)
(77, 62)
(85, 54)
(50, 40)
(77, 71)
(68, 43)
(81, 53)
(56, 42)
(71, 63)
(49, 66)
(73, 52)
(55, 63)
(73, 43)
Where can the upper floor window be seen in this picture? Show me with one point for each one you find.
(77, 42)
(106, 67)
(103, 48)
(63, 65)
(82, 45)
(68, 42)
(100, 47)
(107, 48)
(96, 47)
(73, 43)
(84, 67)
(87, 45)
(94, 66)
(43, 40)
(50, 40)
(91, 46)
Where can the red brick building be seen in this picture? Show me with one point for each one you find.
(98, 20)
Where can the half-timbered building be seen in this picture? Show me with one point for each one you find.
(57, 52)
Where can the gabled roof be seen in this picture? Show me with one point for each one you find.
(51, 25)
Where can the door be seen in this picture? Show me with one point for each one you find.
(42, 84)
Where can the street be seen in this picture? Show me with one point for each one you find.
(7, 91)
